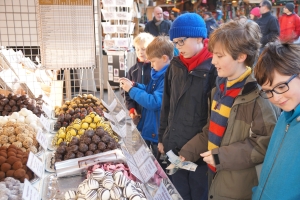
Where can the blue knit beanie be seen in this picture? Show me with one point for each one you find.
(188, 25)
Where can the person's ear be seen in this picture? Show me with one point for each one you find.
(165, 58)
(242, 57)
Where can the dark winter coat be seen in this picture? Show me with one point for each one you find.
(139, 73)
(154, 30)
(210, 25)
(184, 109)
(269, 27)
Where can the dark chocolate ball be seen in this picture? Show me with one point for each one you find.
(87, 140)
(106, 138)
(101, 146)
(100, 131)
(74, 141)
(92, 147)
(97, 151)
(89, 153)
(96, 139)
(79, 154)
(73, 148)
(61, 149)
(83, 147)
(89, 133)
(70, 155)
(111, 145)
(63, 144)
(12, 102)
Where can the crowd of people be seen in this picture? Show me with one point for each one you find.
(229, 102)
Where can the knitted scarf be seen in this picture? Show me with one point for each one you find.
(221, 106)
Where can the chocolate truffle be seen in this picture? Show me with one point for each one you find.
(5, 167)
(83, 147)
(58, 156)
(61, 149)
(79, 154)
(12, 159)
(89, 133)
(10, 173)
(70, 155)
(97, 151)
(87, 140)
(2, 160)
(100, 132)
(111, 145)
(20, 173)
(88, 153)
(63, 144)
(96, 139)
(105, 138)
(17, 165)
(101, 146)
(74, 141)
(73, 148)
(92, 147)
(2, 176)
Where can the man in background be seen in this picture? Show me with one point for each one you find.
(158, 26)
(210, 22)
(289, 24)
(268, 24)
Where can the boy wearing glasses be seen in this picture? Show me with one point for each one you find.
(277, 71)
(237, 133)
(184, 110)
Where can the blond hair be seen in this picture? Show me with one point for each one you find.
(160, 46)
(143, 39)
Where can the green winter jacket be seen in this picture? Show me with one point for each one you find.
(244, 144)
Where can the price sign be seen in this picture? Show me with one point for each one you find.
(36, 165)
(121, 115)
(141, 155)
(148, 169)
(47, 110)
(42, 139)
(162, 193)
(45, 122)
(29, 192)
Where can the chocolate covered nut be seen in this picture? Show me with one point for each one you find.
(10, 173)
(17, 165)
(20, 173)
(2, 160)
(5, 167)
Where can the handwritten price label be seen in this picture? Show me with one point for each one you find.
(29, 192)
(47, 111)
(36, 165)
(45, 122)
(42, 139)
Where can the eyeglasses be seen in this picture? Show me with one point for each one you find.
(279, 89)
(180, 42)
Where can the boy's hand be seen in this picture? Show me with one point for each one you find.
(182, 158)
(133, 114)
(160, 147)
(125, 84)
(208, 158)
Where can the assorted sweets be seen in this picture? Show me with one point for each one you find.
(21, 135)
(11, 189)
(78, 108)
(13, 164)
(15, 102)
(89, 143)
(104, 183)
(23, 116)
(77, 128)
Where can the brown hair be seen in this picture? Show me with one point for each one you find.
(160, 46)
(236, 37)
(282, 57)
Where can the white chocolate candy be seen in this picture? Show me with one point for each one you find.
(70, 195)
(115, 192)
(135, 197)
(107, 182)
(129, 190)
(120, 179)
(24, 112)
(98, 174)
(92, 184)
(21, 119)
(83, 188)
(103, 194)
(108, 173)
(14, 115)
(91, 195)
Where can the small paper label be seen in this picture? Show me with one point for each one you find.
(29, 192)
(121, 115)
(45, 122)
(110, 107)
(47, 111)
(141, 155)
(42, 139)
(36, 165)
(148, 169)
(162, 193)
(108, 116)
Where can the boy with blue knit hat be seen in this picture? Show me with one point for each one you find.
(184, 111)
